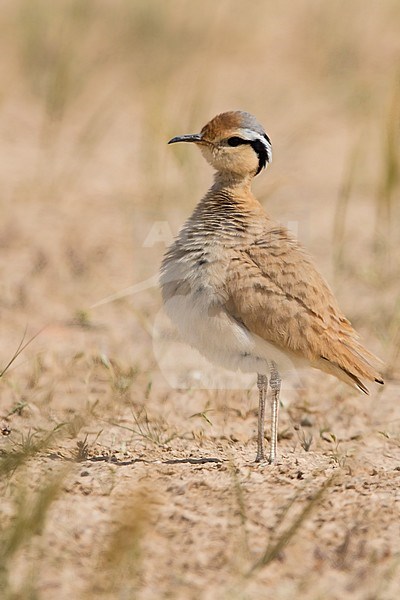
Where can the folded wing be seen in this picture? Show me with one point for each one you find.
(275, 290)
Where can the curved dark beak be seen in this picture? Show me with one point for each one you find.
(191, 137)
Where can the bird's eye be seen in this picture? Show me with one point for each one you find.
(235, 141)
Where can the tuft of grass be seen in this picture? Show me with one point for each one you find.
(26, 524)
(119, 563)
(17, 409)
(20, 348)
(305, 438)
(241, 510)
(121, 378)
(81, 319)
(389, 180)
(82, 449)
(342, 204)
(203, 415)
(21, 451)
(155, 431)
(29, 518)
(335, 452)
(50, 40)
(276, 546)
(393, 360)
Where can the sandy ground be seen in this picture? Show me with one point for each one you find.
(113, 482)
(173, 506)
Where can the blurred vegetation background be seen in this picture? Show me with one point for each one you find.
(90, 93)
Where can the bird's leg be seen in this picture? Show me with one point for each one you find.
(262, 384)
(275, 383)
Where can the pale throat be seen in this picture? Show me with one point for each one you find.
(234, 181)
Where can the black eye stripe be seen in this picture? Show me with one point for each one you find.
(262, 153)
(258, 146)
(236, 141)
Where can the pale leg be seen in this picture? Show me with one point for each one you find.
(262, 384)
(275, 383)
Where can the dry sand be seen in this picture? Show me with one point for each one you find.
(155, 493)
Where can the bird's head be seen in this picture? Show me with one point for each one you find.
(233, 142)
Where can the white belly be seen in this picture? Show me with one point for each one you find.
(204, 323)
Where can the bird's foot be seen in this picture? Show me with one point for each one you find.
(260, 458)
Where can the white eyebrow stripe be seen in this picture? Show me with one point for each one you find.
(250, 134)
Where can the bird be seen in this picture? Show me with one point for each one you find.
(243, 291)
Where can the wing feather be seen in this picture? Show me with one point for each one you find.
(279, 295)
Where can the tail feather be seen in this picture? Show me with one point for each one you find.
(358, 382)
(350, 362)
(343, 374)
(363, 354)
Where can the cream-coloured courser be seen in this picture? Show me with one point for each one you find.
(242, 290)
